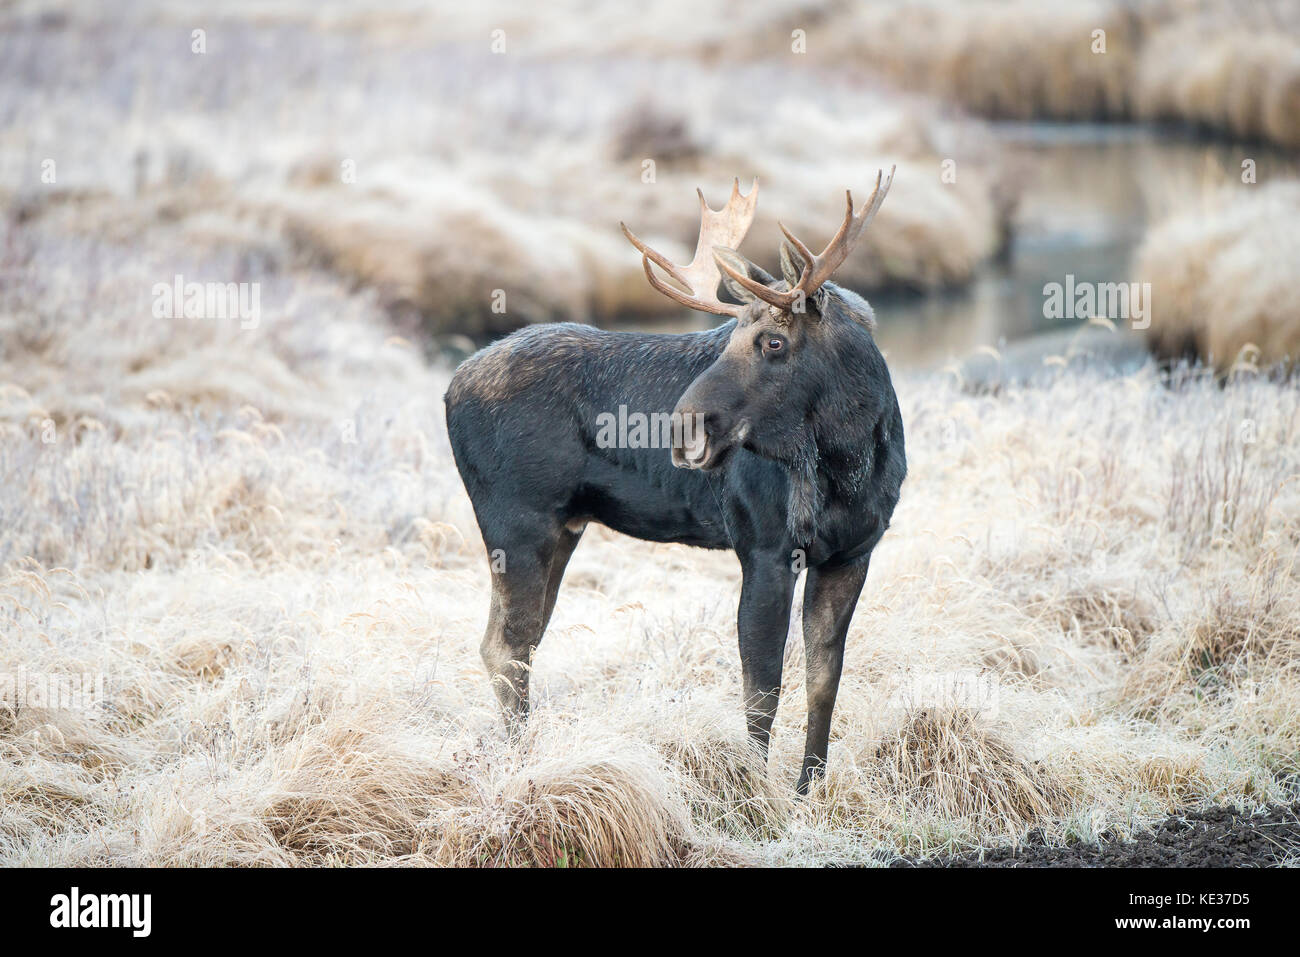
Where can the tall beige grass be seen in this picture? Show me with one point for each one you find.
(1006, 59)
(278, 576)
(1222, 275)
(1234, 69)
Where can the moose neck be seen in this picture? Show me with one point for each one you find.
(839, 448)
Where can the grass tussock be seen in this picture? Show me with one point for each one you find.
(565, 809)
(729, 790)
(945, 763)
(1235, 71)
(1221, 277)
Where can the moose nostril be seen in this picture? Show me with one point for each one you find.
(715, 423)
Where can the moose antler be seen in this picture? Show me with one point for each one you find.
(817, 269)
(724, 227)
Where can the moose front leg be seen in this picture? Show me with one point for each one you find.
(829, 597)
(762, 623)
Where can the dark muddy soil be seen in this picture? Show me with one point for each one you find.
(1219, 837)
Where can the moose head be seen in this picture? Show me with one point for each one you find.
(788, 341)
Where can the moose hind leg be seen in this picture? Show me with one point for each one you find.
(521, 603)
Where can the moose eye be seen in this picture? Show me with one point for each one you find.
(773, 344)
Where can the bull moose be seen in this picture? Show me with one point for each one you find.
(799, 462)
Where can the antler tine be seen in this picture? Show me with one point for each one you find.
(725, 227)
(659, 258)
(819, 268)
(839, 248)
(718, 308)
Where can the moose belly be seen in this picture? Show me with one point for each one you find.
(658, 505)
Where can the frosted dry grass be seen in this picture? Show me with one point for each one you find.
(287, 621)
(1221, 275)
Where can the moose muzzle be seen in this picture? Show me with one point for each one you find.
(705, 438)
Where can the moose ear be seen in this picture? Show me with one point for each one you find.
(740, 264)
(791, 263)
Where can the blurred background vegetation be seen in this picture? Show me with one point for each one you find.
(433, 154)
